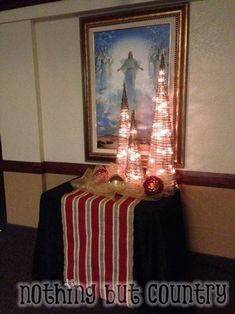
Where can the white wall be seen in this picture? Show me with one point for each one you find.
(58, 50)
(210, 116)
(210, 124)
(18, 99)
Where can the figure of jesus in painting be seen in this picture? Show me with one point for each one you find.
(129, 67)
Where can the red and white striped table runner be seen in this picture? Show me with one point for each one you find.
(98, 240)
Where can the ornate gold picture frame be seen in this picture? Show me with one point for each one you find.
(108, 42)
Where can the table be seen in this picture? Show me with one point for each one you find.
(159, 239)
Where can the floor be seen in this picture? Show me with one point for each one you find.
(16, 255)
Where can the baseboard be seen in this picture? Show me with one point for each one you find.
(10, 226)
(216, 261)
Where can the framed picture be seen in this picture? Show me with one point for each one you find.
(126, 47)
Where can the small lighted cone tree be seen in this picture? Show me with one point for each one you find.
(161, 160)
(134, 170)
(123, 135)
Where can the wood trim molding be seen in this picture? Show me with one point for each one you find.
(65, 167)
(44, 167)
(198, 178)
(22, 166)
(218, 180)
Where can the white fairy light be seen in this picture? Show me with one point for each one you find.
(161, 162)
(123, 135)
(134, 171)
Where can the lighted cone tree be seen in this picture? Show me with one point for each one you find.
(134, 170)
(123, 135)
(161, 160)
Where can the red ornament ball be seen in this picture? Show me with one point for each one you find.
(153, 185)
(101, 175)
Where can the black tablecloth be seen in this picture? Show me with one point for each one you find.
(159, 241)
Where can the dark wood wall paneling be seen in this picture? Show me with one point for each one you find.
(210, 179)
(219, 180)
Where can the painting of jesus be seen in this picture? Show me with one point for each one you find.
(130, 56)
(127, 49)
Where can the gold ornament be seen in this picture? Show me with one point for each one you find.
(117, 183)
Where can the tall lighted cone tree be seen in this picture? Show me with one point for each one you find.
(123, 135)
(161, 160)
(134, 170)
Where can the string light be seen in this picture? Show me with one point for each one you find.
(134, 170)
(161, 160)
(123, 135)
